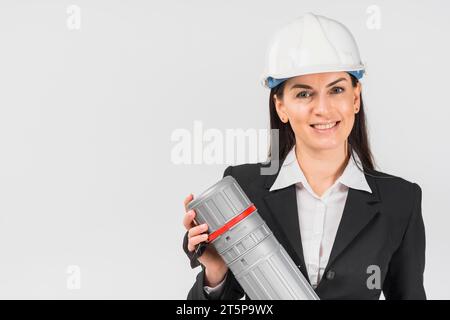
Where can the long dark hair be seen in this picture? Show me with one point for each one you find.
(357, 141)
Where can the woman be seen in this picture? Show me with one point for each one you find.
(354, 232)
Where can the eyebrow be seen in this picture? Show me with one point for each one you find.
(305, 86)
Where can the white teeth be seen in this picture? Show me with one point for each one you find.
(325, 126)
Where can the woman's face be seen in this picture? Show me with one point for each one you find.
(320, 107)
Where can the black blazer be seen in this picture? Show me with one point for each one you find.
(384, 229)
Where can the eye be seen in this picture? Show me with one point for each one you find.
(304, 94)
(336, 90)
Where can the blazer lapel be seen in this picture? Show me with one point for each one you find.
(283, 206)
(359, 209)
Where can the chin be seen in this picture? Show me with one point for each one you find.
(327, 145)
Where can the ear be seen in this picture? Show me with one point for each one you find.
(281, 109)
(357, 97)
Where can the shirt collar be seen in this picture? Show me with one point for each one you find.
(291, 173)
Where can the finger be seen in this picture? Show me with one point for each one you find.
(188, 199)
(196, 240)
(188, 219)
(197, 230)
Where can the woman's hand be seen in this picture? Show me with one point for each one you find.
(215, 267)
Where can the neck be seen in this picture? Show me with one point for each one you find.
(322, 167)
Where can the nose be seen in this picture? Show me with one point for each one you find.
(322, 105)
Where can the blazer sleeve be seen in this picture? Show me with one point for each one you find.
(231, 289)
(404, 279)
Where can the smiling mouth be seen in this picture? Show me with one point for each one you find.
(325, 126)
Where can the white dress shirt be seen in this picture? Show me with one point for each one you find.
(319, 217)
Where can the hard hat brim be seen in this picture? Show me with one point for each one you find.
(357, 71)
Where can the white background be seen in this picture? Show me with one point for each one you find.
(86, 118)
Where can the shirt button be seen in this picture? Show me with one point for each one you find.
(330, 275)
(314, 268)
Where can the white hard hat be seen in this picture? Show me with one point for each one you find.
(311, 44)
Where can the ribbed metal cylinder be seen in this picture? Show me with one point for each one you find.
(259, 263)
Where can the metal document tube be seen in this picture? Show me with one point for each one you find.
(259, 263)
